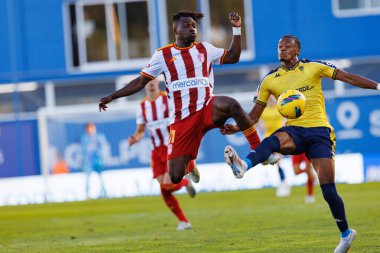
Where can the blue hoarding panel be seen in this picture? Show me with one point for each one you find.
(19, 155)
(372, 167)
(356, 122)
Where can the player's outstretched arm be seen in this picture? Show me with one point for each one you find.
(137, 136)
(233, 53)
(356, 80)
(256, 112)
(255, 115)
(131, 88)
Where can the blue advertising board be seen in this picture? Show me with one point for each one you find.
(19, 149)
(356, 121)
(372, 167)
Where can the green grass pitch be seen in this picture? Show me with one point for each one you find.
(239, 221)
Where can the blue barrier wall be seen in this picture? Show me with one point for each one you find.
(356, 121)
(19, 149)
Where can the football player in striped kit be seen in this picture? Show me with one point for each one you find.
(153, 115)
(188, 72)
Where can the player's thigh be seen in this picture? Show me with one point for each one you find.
(325, 168)
(224, 107)
(287, 143)
(178, 165)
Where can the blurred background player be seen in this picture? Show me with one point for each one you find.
(270, 121)
(302, 165)
(92, 146)
(153, 115)
(60, 165)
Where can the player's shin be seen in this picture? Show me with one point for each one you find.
(172, 202)
(263, 151)
(337, 207)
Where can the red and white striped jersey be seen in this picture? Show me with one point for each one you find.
(155, 116)
(188, 75)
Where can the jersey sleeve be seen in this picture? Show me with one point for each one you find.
(326, 69)
(154, 67)
(262, 94)
(217, 54)
(139, 116)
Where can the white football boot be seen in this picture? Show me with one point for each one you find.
(238, 166)
(345, 243)
(272, 159)
(190, 189)
(194, 174)
(182, 225)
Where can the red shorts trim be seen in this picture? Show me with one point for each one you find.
(298, 159)
(186, 135)
(159, 162)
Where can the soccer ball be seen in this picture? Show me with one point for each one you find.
(291, 104)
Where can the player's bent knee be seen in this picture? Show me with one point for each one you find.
(176, 179)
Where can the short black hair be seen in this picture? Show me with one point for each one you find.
(296, 40)
(197, 16)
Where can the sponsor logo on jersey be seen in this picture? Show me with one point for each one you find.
(277, 75)
(190, 83)
(173, 59)
(305, 88)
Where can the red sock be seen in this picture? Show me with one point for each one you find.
(310, 187)
(175, 187)
(190, 166)
(172, 202)
(252, 137)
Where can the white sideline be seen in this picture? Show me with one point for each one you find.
(138, 182)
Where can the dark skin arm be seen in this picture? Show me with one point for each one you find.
(255, 115)
(131, 88)
(233, 53)
(355, 80)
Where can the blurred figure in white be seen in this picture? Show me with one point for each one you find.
(92, 145)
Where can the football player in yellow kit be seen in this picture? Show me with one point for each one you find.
(311, 133)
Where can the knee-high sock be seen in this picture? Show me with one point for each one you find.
(310, 187)
(172, 202)
(336, 206)
(263, 151)
(252, 136)
(281, 172)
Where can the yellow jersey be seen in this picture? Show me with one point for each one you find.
(272, 120)
(306, 77)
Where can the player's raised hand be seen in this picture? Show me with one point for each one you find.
(229, 129)
(235, 19)
(103, 101)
